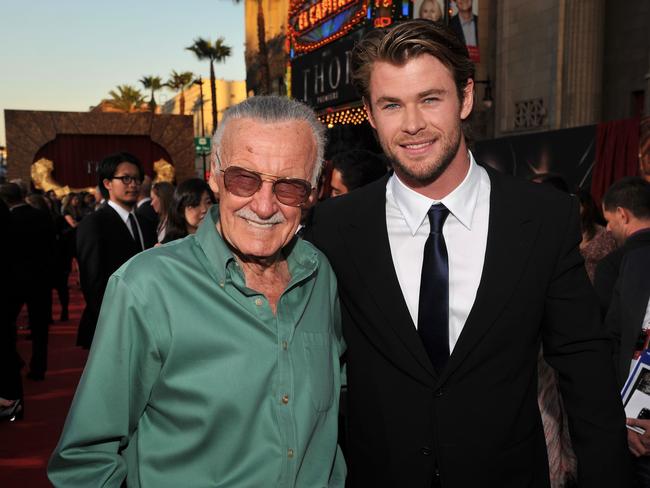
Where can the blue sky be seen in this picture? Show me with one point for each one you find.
(67, 54)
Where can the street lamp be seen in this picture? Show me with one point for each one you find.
(487, 93)
(199, 81)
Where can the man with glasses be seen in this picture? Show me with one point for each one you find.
(109, 237)
(216, 361)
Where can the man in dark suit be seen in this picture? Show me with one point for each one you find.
(110, 236)
(451, 276)
(144, 210)
(626, 207)
(32, 240)
(627, 320)
(465, 23)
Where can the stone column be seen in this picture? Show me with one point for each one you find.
(583, 62)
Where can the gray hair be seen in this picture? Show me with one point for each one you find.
(270, 109)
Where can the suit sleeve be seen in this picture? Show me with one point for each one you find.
(578, 347)
(123, 365)
(90, 257)
(604, 282)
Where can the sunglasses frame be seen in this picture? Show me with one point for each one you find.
(267, 177)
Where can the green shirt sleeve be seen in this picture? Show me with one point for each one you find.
(123, 365)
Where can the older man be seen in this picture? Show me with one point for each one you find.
(216, 360)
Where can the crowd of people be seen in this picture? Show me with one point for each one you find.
(462, 303)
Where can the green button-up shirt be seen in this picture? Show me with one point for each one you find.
(192, 381)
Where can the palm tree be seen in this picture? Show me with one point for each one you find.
(127, 98)
(213, 52)
(178, 82)
(262, 52)
(153, 83)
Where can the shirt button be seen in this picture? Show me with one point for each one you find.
(439, 393)
(258, 302)
(290, 453)
(285, 345)
(221, 284)
(426, 451)
(285, 399)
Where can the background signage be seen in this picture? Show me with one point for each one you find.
(315, 23)
(323, 78)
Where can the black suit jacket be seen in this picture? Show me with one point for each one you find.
(607, 269)
(628, 306)
(34, 240)
(454, 24)
(146, 212)
(478, 423)
(104, 243)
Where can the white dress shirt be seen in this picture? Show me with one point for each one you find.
(465, 232)
(124, 215)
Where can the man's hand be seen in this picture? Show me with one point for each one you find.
(639, 444)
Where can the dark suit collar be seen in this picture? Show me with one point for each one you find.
(366, 236)
(511, 235)
(639, 236)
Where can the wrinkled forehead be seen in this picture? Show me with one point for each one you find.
(262, 142)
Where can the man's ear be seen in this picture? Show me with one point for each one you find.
(107, 183)
(467, 104)
(624, 215)
(368, 109)
(214, 172)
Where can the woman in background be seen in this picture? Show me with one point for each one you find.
(596, 241)
(430, 9)
(162, 194)
(72, 212)
(192, 200)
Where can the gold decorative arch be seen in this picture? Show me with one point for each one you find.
(41, 172)
(28, 131)
(164, 171)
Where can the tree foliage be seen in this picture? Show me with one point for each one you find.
(178, 82)
(126, 98)
(153, 83)
(216, 52)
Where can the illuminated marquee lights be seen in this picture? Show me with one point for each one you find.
(313, 15)
(385, 12)
(312, 24)
(344, 116)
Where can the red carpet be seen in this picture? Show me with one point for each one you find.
(25, 446)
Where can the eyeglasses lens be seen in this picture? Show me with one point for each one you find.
(244, 183)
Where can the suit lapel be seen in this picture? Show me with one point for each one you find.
(366, 237)
(121, 228)
(511, 234)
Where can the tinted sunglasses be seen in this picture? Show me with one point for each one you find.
(242, 182)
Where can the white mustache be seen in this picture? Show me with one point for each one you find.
(248, 214)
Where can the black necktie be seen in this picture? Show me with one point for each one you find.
(134, 231)
(433, 312)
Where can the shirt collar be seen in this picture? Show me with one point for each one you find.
(302, 258)
(461, 202)
(121, 211)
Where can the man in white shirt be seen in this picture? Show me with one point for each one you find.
(107, 238)
(451, 276)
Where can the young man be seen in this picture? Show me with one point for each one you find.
(451, 277)
(109, 237)
(626, 207)
(216, 360)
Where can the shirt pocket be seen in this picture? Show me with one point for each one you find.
(320, 368)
